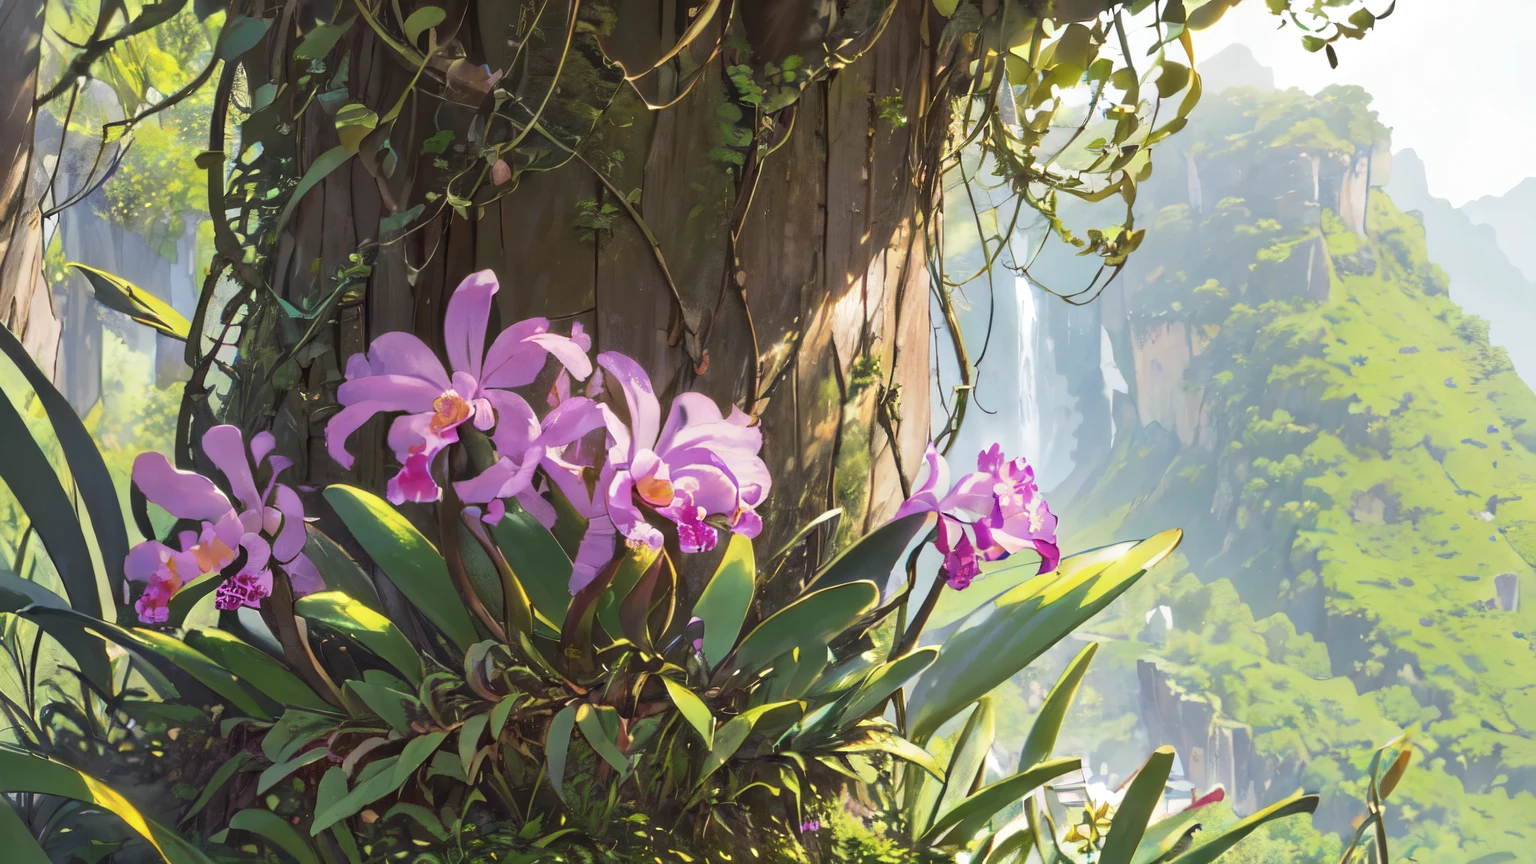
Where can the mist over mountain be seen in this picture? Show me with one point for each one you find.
(1310, 367)
(1512, 216)
(1483, 279)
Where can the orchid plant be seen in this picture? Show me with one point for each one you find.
(266, 528)
(558, 680)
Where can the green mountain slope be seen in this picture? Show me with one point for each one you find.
(1355, 468)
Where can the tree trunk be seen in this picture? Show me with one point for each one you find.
(26, 306)
(793, 284)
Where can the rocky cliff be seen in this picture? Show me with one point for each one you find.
(1351, 458)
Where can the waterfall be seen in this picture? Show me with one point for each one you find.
(1032, 435)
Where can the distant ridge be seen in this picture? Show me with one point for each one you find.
(1235, 66)
(1512, 216)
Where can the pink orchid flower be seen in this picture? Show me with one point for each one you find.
(998, 504)
(268, 525)
(401, 374)
(701, 463)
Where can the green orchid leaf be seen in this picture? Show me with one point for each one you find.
(222, 775)
(1053, 711)
(968, 817)
(885, 681)
(538, 561)
(293, 731)
(20, 847)
(557, 746)
(351, 618)
(876, 555)
(1213, 847)
(275, 830)
(967, 767)
(412, 563)
(23, 772)
(693, 710)
(813, 619)
(423, 19)
(469, 739)
(1137, 808)
(257, 668)
(1008, 634)
(392, 706)
(275, 773)
(730, 737)
(592, 728)
(37, 488)
(118, 294)
(338, 571)
(723, 605)
(86, 466)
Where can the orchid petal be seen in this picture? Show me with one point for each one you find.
(182, 494)
(512, 361)
(593, 553)
(517, 426)
(225, 448)
(304, 576)
(644, 410)
(405, 355)
(537, 507)
(262, 443)
(469, 309)
(397, 392)
(571, 420)
(290, 538)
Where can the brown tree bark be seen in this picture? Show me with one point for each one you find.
(794, 284)
(26, 306)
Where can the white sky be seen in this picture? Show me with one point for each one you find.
(1453, 80)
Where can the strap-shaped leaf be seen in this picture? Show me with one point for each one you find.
(1213, 847)
(815, 618)
(274, 774)
(469, 739)
(882, 741)
(257, 668)
(874, 556)
(117, 293)
(590, 721)
(20, 848)
(410, 561)
(1137, 808)
(23, 772)
(275, 830)
(1008, 634)
(46, 503)
(723, 605)
(379, 779)
(392, 706)
(886, 680)
(1053, 711)
(966, 818)
(97, 490)
(84, 647)
(338, 570)
(350, 617)
(292, 731)
(968, 763)
(730, 737)
(693, 709)
(536, 557)
(557, 746)
(221, 775)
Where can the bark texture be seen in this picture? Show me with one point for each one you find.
(794, 284)
(25, 304)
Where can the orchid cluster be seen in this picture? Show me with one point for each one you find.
(267, 526)
(986, 515)
(700, 465)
